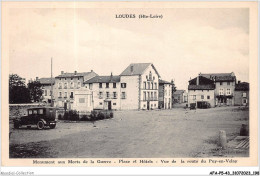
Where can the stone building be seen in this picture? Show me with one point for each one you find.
(65, 86)
(201, 90)
(46, 87)
(180, 96)
(165, 95)
(224, 87)
(241, 94)
(140, 86)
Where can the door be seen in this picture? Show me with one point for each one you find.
(109, 105)
(148, 105)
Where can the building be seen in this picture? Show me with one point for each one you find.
(46, 87)
(224, 87)
(106, 92)
(165, 94)
(65, 86)
(180, 96)
(241, 94)
(139, 86)
(201, 91)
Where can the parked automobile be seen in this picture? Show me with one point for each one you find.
(40, 116)
(192, 106)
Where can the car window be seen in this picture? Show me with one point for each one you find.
(30, 112)
(40, 111)
(35, 111)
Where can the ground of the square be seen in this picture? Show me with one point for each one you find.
(178, 132)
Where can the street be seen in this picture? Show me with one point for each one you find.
(177, 132)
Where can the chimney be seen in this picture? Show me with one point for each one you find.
(91, 70)
(132, 68)
(198, 80)
(75, 72)
(62, 72)
(111, 76)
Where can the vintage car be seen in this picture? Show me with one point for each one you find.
(192, 106)
(40, 116)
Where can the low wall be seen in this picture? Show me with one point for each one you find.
(18, 110)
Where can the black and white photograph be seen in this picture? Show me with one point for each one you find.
(118, 82)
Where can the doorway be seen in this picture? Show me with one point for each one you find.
(109, 105)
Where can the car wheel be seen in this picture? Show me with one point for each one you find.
(16, 125)
(52, 126)
(40, 125)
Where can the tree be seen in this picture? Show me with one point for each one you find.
(173, 90)
(18, 93)
(35, 89)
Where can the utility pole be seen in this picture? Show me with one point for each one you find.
(51, 86)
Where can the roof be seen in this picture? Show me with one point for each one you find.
(163, 82)
(138, 69)
(243, 86)
(103, 79)
(219, 76)
(46, 80)
(69, 75)
(201, 87)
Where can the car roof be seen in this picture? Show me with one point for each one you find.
(41, 108)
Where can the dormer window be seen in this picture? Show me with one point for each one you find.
(150, 75)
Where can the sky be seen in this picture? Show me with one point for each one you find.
(184, 43)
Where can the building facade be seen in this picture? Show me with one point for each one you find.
(165, 95)
(179, 96)
(241, 94)
(46, 87)
(65, 86)
(224, 87)
(201, 90)
(106, 91)
(141, 82)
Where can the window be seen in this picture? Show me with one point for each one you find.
(155, 85)
(79, 85)
(208, 97)
(40, 111)
(202, 97)
(65, 78)
(244, 95)
(220, 83)
(46, 93)
(71, 78)
(144, 85)
(153, 78)
(194, 97)
(100, 103)
(81, 100)
(35, 111)
(60, 86)
(114, 103)
(244, 100)
(155, 95)
(221, 91)
(60, 94)
(228, 91)
(144, 105)
(107, 93)
(123, 95)
(107, 85)
(65, 85)
(30, 112)
(114, 95)
(148, 95)
(150, 75)
(144, 98)
(114, 85)
(228, 83)
(71, 94)
(65, 96)
(90, 86)
(148, 85)
(71, 85)
(152, 85)
(100, 95)
(151, 95)
(123, 85)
